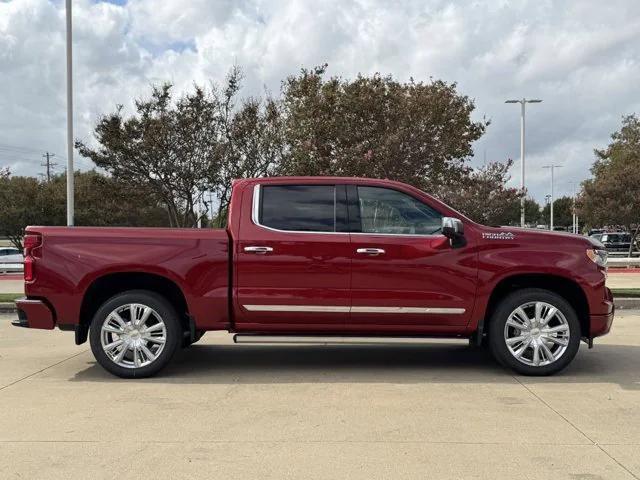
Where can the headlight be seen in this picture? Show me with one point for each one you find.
(599, 257)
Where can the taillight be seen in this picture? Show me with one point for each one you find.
(29, 273)
(30, 242)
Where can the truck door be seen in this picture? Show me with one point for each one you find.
(405, 274)
(293, 258)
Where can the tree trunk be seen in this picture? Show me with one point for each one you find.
(16, 241)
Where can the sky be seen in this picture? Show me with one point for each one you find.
(582, 58)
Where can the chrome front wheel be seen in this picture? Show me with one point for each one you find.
(534, 331)
(537, 333)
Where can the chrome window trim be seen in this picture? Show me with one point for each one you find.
(352, 309)
(255, 214)
(412, 235)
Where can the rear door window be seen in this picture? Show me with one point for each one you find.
(300, 208)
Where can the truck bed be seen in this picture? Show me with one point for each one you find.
(73, 259)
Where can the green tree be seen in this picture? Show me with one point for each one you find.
(532, 213)
(172, 149)
(100, 201)
(182, 148)
(483, 196)
(21, 204)
(562, 212)
(416, 132)
(252, 141)
(612, 196)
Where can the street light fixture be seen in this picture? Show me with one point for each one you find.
(522, 103)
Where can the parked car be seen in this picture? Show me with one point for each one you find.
(10, 255)
(596, 236)
(618, 242)
(319, 260)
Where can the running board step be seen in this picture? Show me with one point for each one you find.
(327, 340)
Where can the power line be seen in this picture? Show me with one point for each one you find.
(6, 146)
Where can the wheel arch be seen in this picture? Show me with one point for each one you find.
(567, 288)
(108, 285)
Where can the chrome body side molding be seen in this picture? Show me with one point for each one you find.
(346, 309)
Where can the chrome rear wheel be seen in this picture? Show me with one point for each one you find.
(133, 335)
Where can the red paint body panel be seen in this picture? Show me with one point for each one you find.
(197, 261)
(317, 269)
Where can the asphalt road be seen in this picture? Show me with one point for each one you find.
(358, 412)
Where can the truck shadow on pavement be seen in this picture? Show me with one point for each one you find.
(410, 364)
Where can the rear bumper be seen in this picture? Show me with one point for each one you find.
(34, 314)
(601, 324)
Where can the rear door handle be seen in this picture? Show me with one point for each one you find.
(370, 251)
(258, 250)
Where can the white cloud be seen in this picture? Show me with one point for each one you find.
(582, 58)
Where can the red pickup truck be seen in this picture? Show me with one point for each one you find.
(319, 259)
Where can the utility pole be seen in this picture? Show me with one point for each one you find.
(70, 170)
(49, 164)
(552, 167)
(522, 103)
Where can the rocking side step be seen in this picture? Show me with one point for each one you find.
(328, 340)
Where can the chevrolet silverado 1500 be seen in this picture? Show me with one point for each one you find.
(319, 259)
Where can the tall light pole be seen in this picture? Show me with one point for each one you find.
(552, 167)
(522, 103)
(70, 179)
(574, 215)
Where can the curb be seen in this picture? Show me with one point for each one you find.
(620, 303)
(626, 303)
(7, 307)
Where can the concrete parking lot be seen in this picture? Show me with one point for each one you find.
(310, 412)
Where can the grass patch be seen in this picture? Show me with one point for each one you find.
(626, 292)
(10, 297)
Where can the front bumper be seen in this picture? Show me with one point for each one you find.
(34, 314)
(601, 324)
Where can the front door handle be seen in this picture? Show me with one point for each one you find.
(258, 250)
(370, 251)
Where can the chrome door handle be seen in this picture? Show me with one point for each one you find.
(258, 250)
(370, 251)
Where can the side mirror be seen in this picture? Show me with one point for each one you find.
(452, 227)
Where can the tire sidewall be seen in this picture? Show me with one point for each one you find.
(501, 315)
(166, 312)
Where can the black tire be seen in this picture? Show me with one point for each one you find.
(499, 319)
(164, 310)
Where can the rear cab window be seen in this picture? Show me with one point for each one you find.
(302, 208)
